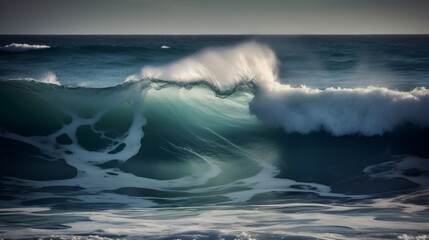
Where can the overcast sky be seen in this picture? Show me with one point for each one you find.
(214, 17)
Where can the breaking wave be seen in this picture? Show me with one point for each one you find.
(215, 145)
(340, 111)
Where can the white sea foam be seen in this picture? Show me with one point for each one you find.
(340, 111)
(22, 47)
(411, 237)
(313, 221)
(165, 46)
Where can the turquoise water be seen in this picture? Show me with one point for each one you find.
(214, 137)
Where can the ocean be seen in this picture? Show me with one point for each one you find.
(214, 137)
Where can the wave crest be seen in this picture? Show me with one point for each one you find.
(22, 47)
(222, 68)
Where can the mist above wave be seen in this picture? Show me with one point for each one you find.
(340, 111)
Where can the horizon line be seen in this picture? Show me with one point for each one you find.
(207, 34)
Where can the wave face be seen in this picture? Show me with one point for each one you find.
(214, 143)
(170, 138)
(22, 47)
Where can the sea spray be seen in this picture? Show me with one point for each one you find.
(221, 68)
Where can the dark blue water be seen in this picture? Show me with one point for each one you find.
(214, 137)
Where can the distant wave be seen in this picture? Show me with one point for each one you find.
(22, 47)
(340, 111)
